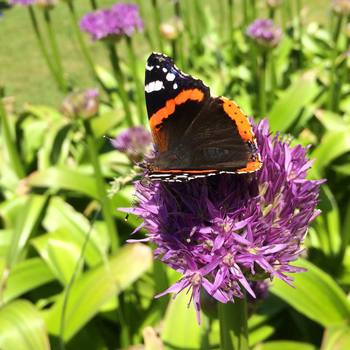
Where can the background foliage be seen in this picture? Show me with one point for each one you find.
(68, 278)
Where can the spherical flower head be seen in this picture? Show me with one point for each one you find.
(121, 19)
(135, 142)
(22, 2)
(83, 104)
(128, 18)
(265, 33)
(223, 232)
(341, 7)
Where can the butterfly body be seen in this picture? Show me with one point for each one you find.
(195, 134)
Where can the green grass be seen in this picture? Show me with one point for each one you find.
(23, 71)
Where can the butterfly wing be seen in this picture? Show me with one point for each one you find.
(220, 138)
(170, 92)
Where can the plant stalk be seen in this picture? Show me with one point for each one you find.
(262, 64)
(101, 187)
(233, 325)
(12, 151)
(42, 45)
(54, 49)
(158, 23)
(333, 81)
(120, 80)
(138, 84)
(83, 48)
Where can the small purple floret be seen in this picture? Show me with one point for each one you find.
(225, 231)
(135, 142)
(265, 32)
(121, 19)
(22, 2)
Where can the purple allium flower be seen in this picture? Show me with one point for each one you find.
(22, 2)
(134, 142)
(264, 32)
(121, 19)
(128, 18)
(83, 104)
(224, 231)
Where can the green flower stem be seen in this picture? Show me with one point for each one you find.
(158, 23)
(333, 81)
(83, 48)
(245, 13)
(299, 34)
(252, 10)
(262, 64)
(273, 78)
(178, 45)
(140, 97)
(42, 45)
(233, 325)
(55, 50)
(101, 187)
(231, 27)
(120, 80)
(94, 5)
(13, 154)
(147, 33)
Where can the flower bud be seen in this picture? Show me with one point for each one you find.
(82, 104)
(172, 29)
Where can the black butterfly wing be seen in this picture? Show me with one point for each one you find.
(218, 139)
(173, 100)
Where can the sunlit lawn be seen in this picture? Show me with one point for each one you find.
(23, 70)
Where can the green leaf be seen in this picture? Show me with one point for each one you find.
(64, 179)
(182, 318)
(60, 254)
(64, 223)
(25, 276)
(336, 338)
(316, 295)
(103, 123)
(22, 327)
(26, 224)
(285, 345)
(332, 145)
(332, 121)
(96, 287)
(286, 110)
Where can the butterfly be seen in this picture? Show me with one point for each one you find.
(195, 134)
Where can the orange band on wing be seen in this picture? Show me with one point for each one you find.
(251, 167)
(241, 120)
(169, 108)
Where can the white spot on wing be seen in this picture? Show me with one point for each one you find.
(154, 86)
(149, 68)
(175, 86)
(165, 70)
(170, 77)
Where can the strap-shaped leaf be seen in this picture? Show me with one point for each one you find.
(22, 327)
(316, 295)
(96, 287)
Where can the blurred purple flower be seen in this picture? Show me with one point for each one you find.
(134, 142)
(22, 2)
(224, 231)
(121, 19)
(264, 32)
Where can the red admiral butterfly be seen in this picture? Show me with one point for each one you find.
(195, 134)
